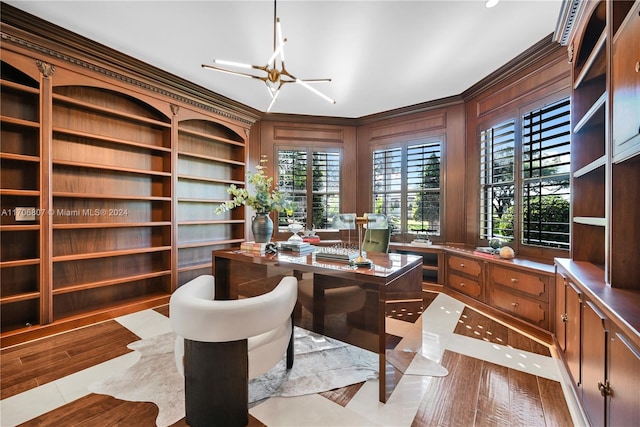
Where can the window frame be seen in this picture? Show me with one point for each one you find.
(517, 115)
(404, 234)
(281, 233)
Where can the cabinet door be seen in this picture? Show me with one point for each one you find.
(594, 345)
(572, 350)
(560, 321)
(626, 88)
(624, 379)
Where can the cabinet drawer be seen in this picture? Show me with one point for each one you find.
(533, 311)
(465, 285)
(533, 284)
(465, 265)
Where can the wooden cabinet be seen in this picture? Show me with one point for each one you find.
(573, 327)
(600, 350)
(432, 261)
(605, 111)
(623, 379)
(602, 275)
(466, 275)
(519, 293)
(594, 348)
(568, 323)
(625, 87)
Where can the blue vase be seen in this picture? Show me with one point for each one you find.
(262, 228)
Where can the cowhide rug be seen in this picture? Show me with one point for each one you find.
(321, 364)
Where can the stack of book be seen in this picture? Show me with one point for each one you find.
(253, 247)
(337, 254)
(486, 251)
(296, 248)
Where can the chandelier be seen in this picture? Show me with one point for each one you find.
(274, 73)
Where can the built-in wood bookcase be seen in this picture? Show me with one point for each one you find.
(597, 318)
(210, 158)
(606, 167)
(625, 136)
(118, 168)
(19, 188)
(589, 142)
(111, 200)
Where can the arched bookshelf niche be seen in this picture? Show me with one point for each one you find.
(210, 158)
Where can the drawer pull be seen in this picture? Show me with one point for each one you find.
(514, 304)
(638, 67)
(514, 280)
(461, 265)
(462, 284)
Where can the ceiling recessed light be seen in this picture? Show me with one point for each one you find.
(491, 3)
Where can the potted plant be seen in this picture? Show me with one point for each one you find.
(265, 199)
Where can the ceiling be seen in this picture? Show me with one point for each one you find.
(380, 55)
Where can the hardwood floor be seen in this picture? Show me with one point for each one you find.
(475, 393)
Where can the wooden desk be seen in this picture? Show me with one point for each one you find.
(393, 280)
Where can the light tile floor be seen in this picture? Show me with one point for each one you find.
(438, 323)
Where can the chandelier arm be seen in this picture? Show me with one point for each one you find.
(279, 50)
(316, 80)
(312, 89)
(275, 95)
(235, 73)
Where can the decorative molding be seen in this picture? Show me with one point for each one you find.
(566, 20)
(570, 53)
(174, 109)
(529, 57)
(409, 127)
(284, 133)
(76, 47)
(45, 68)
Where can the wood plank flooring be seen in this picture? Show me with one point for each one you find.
(475, 393)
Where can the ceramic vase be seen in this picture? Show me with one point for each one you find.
(262, 228)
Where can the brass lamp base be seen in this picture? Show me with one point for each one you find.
(361, 259)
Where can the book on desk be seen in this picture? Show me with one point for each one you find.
(296, 248)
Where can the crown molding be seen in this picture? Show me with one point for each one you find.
(30, 32)
(569, 11)
(529, 57)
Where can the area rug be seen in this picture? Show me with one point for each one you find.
(321, 364)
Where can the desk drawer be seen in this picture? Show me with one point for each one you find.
(536, 285)
(465, 285)
(533, 311)
(465, 265)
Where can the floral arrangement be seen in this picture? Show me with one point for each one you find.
(265, 199)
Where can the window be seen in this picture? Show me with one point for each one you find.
(304, 172)
(545, 176)
(497, 181)
(538, 197)
(406, 187)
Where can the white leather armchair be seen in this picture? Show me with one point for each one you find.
(221, 344)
